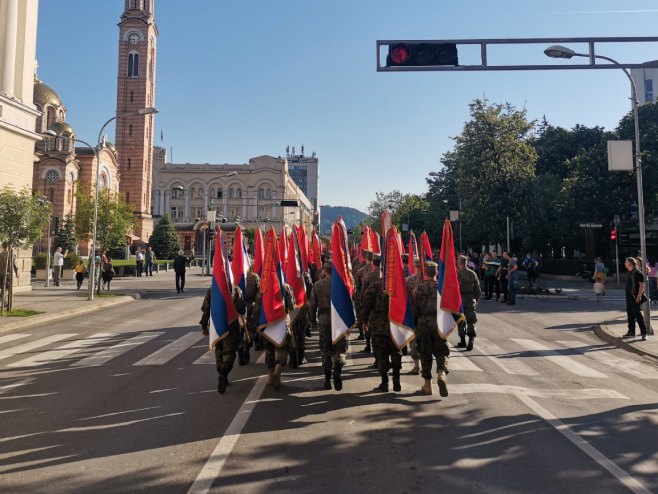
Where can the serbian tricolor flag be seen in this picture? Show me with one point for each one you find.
(283, 248)
(258, 252)
(399, 308)
(240, 262)
(295, 274)
(222, 310)
(342, 284)
(273, 320)
(449, 310)
(425, 253)
(412, 250)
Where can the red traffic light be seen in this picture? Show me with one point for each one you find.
(399, 54)
(613, 234)
(422, 54)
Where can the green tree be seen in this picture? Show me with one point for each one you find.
(116, 219)
(164, 239)
(23, 217)
(65, 238)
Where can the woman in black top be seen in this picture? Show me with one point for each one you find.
(635, 297)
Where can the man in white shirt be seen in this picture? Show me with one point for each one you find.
(58, 265)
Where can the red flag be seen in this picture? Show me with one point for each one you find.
(386, 222)
(283, 248)
(449, 299)
(425, 253)
(294, 272)
(315, 249)
(258, 252)
(240, 262)
(342, 283)
(222, 310)
(272, 323)
(302, 238)
(399, 309)
(413, 251)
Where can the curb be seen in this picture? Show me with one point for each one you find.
(602, 332)
(27, 322)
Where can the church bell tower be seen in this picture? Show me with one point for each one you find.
(138, 36)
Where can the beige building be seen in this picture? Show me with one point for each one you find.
(250, 194)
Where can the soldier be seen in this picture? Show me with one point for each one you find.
(430, 344)
(375, 315)
(470, 290)
(412, 283)
(300, 329)
(334, 356)
(359, 279)
(226, 347)
(249, 332)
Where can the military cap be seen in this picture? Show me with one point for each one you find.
(367, 254)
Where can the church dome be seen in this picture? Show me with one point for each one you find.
(62, 129)
(111, 147)
(45, 95)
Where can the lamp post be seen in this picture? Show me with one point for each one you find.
(558, 51)
(459, 202)
(43, 201)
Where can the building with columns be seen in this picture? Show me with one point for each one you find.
(249, 194)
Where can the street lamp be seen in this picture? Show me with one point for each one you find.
(558, 51)
(459, 202)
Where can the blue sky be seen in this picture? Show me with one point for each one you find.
(245, 78)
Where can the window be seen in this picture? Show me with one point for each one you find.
(176, 213)
(220, 194)
(130, 129)
(133, 65)
(238, 193)
(192, 192)
(132, 96)
(129, 162)
(231, 193)
(52, 176)
(648, 90)
(261, 193)
(176, 193)
(268, 193)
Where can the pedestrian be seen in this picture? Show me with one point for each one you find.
(108, 273)
(469, 287)
(635, 297)
(530, 265)
(149, 260)
(334, 355)
(359, 279)
(251, 336)
(430, 344)
(375, 315)
(180, 263)
(490, 265)
(139, 261)
(79, 273)
(599, 274)
(512, 277)
(58, 265)
(412, 282)
(501, 277)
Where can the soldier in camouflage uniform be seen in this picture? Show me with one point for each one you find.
(359, 279)
(275, 358)
(470, 290)
(334, 356)
(412, 283)
(375, 313)
(430, 344)
(249, 332)
(225, 348)
(300, 329)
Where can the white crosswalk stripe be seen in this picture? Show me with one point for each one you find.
(170, 351)
(460, 362)
(11, 337)
(509, 364)
(207, 358)
(26, 347)
(566, 362)
(604, 356)
(114, 351)
(42, 358)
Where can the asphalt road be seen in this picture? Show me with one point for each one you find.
(125, 400)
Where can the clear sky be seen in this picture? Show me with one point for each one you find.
(239, 79)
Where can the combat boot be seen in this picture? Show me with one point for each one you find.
(416, 369)
(396, 380)
(221, 383)
(293, 359)
(240, 357)
(338, 380)
(462, 342)
(270, 376)
(276, 377)
(246, 355)
(301, 359)
(361, 335)
(327, 379)
(443, 384)
(367, 348)
(383, 387)
(469, 347)
(426, 389)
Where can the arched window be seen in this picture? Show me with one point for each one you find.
(231, 193)
(212, 192)
(192, 193)
(133, 65)
(261, 193)
(220, 194)
(268, 193)
(176, 193)
(238, 193)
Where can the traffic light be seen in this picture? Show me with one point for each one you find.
(613, 234)
(422, 54)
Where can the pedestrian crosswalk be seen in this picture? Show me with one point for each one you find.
(521, 356)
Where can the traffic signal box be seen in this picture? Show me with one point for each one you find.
(613, 234)
(423, 54)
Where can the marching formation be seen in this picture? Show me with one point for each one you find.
(292, 286)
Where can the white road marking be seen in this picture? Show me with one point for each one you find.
(461, 363)
(11, 337)
(567, 394)
(26, 347)
(114, 351)
(42, 358)
(220, 454)
(8, 387)
(606, 357)
(207, 358)
(634, 484)
(564, 361)
(170, 351)
(511, 365)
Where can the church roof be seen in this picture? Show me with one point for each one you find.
(62, 129)
(45, 95)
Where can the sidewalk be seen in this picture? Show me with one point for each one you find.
(58, 302)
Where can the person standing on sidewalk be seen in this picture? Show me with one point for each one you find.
(139, 260)
(635, 297)
(58, 265)
(150, 259)
(180, 262)
(490, 266)
(512, 277)
(79, 273)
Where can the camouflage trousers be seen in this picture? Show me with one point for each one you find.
(467, 325)
(432, 346)
(386, 353)
(225, 351)
(333, 355)
(274, 355)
